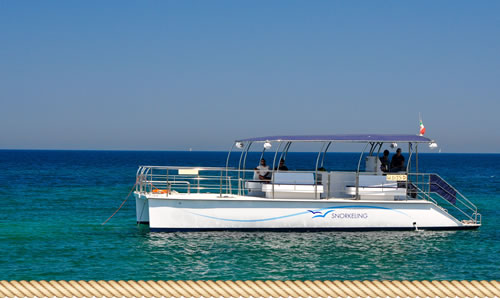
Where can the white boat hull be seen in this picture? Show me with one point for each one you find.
(197, 212)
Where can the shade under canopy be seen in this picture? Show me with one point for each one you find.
(355, 138)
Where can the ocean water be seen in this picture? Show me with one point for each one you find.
(53, 204)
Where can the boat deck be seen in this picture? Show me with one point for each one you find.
(231, 197)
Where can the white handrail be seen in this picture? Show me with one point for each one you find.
(221, 180)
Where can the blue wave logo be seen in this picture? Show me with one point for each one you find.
(319, 212)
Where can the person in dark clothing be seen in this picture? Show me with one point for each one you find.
(282, 166)
(384, 161)
(398, 162)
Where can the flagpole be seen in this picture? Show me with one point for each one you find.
(421, 127)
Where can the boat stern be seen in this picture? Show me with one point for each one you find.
(141, 208)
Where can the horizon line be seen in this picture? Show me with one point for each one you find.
(224, 151)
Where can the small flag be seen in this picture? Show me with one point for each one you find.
(422, 128)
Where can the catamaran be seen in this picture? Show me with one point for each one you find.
(173, 198)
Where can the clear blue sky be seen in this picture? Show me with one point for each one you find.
(170, 75)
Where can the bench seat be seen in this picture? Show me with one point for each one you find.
(377, 192)
(292, 191)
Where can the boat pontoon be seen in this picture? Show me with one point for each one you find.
(236, 198)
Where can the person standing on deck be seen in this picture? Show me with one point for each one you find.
(384, 161)
(398, 162)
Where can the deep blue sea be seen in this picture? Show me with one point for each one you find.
(53, 204)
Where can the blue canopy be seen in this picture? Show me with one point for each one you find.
(366, 138)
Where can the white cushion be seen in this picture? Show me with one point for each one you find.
(293, 178)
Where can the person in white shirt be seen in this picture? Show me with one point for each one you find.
(262, 171)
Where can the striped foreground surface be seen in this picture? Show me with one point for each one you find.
(250, 288)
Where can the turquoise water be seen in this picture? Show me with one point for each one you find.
(53, 203)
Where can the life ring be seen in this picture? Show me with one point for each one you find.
(158, 191)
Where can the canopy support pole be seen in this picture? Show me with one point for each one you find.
(357, 172)
(245, 151)
(246, 154)
(324, 154)
(274, 164)
(228, 182)
(416, 158)
(316, 171)
(285, 151)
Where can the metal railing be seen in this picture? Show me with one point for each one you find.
(323, 185)
(167, 179)
(164, 180)
(432, 187)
